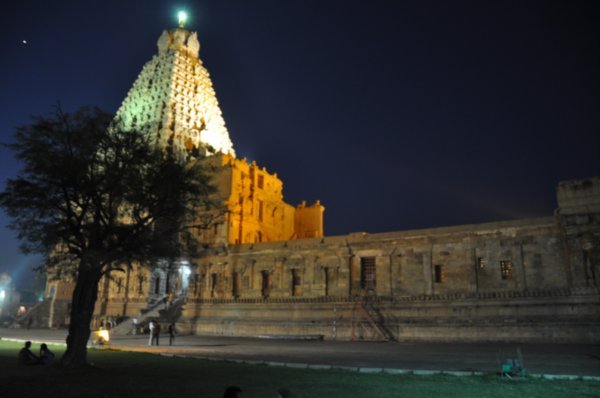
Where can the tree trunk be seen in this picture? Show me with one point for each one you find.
(82, 310)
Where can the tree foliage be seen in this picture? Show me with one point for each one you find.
(93, 196)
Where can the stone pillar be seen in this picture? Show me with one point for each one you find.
(474, 275)
(428, 271)
(522, 280)
(328, 280)
(354, 265)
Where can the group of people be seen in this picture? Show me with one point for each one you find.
(27, 358)
(108, 324)
(154, 329)
(46, 357)
(236, 392)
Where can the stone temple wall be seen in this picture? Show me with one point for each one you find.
(497, 281)
(522, 280)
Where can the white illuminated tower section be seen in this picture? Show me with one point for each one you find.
(173, 98)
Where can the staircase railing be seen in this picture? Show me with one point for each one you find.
(364, 312)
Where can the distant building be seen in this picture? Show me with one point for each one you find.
(9, 297)
(268, 269)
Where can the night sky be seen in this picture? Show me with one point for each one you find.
(396, 115)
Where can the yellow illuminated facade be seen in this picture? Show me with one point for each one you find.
(255, 210)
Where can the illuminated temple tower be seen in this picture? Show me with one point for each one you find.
(173, 99)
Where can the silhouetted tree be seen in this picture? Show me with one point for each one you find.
(95, 198)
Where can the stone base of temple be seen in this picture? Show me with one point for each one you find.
(566, 316)
(561, 316)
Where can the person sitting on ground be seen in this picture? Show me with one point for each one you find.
(233, 392)
(284, 393)
(46, 356)
(26, 357)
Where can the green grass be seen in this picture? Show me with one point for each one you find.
(131, 375)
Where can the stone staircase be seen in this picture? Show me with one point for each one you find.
(158, 310)
(128, 326)
(366, 317)
(375, 314)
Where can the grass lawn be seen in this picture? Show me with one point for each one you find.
(131, 375)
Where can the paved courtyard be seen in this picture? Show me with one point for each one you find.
(556, 359)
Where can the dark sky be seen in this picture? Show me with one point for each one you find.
(396, 115)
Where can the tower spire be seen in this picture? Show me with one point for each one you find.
(174, 101)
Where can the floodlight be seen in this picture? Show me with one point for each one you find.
(182, 17)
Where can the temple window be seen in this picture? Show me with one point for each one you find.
(195, 279)
(235, 284)
(157, 284)
(260, 183)
(266, 282)
(296, 282)
(214, 279)
(367, 273)
(506, 269)
(328, 280)
(399, 273)
(140, 284)
(260, 210)
(438, 274)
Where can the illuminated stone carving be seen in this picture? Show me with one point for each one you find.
(256, 211)
(173, 98)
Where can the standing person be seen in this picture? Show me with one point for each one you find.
(151, 327)
(46, 356)
(171, 333)
(156, 333)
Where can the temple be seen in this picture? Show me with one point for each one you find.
(268, 269)
(173, 101)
